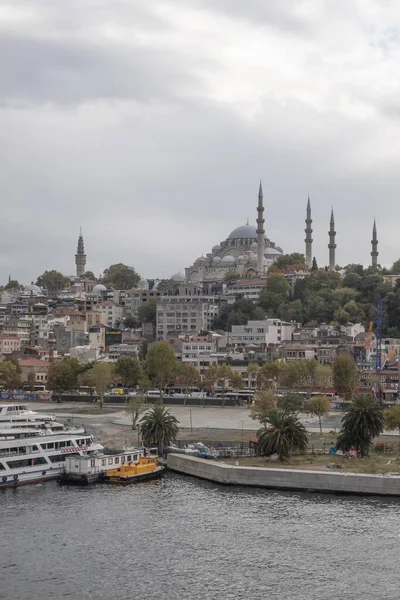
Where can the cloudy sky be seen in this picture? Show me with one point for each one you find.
(150, 122)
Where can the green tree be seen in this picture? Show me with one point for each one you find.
(120, 277)
(210, 377)
(89, 275)
(62, 377)
(133, 407)
(161, 364)
(236, 382)
(231, 276)
(188, 375)
(314, 266)
(147, 312)
(101, 375)
(168, 286)
(392, 419)
(158, 427)
(395, 270)
(362, 422)
(291, 403)
(275, 293)
(268, 375)
(13, 284)
(319, 406)
(252, 371)
(31, 380)
(224, 373)
(130, 322)
(282, 434)
(10, 378)
(128, 371)
(289, 262)
(345, 376)
(264, 402)
(53, 281)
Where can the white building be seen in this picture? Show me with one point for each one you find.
(249, 289)
(115, 313)
(179, 314)
(352, 329)
(261, 333)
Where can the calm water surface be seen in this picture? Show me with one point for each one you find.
(183, 539)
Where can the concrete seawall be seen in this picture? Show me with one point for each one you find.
(306, 480)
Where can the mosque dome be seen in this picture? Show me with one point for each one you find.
(216, 248)
(244, 231)
(32, 290)
(99, 289)
(177, 277)
(200, 261)
(228, 259)
(254, 247)
(216, 260)
(242, 259)
(271, 252)
(143, 285)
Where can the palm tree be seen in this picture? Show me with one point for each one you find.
(158, 427)
(363, 421)
(282, 434)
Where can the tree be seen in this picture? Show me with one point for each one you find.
(13, 284)
(282, 434)
(128, 371)
(395, 270)
(210, 377)
(268, 375)
(161, 364)
(231, 276)
(345, 375)
(62, 377)
(275, 293)
(31, 380)
(264, 402)
(147, 312)
(120, 277)
(319, 406)
(252, 371)
(158, 427)
(323, 376)
(188, 375)
(392, 419)
(362, 422)
(133, 406)
(130, 322)
(101, 376)
(236, 381)
(314, 266)
(290, 403)
(10, 378)
(53, 281)
(288, 262)
(89, 275)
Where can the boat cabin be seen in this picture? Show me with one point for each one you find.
(90, 465)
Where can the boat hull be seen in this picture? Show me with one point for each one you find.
(140, 477)
(27, 480)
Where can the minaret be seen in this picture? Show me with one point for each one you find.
(260, 232)
(80, 256)
(308, 231)
(332, 245)
(374, 243)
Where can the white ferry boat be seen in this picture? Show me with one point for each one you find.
(20, 413)
(35, 455)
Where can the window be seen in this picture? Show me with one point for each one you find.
(103, 462)
(117, 460)
(110, 461)
(129, 458)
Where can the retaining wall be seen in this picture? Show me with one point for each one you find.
(319, 481)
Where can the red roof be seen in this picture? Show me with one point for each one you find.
(33, 362)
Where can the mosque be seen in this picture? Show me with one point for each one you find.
(246, 251)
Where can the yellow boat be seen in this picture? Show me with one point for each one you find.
(144, 469)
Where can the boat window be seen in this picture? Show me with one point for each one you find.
(27, 462)
(110, 461)
(1, 466)
(103, 462)
(129, 457)
(135, 457)
(117, 460)
(50, 445)
(122, 460)
(57, 458)
(34, 449)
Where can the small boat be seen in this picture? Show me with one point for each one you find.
(145, 469)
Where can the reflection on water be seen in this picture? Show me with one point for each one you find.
(180, 538)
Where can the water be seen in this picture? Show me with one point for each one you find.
(183, 539)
